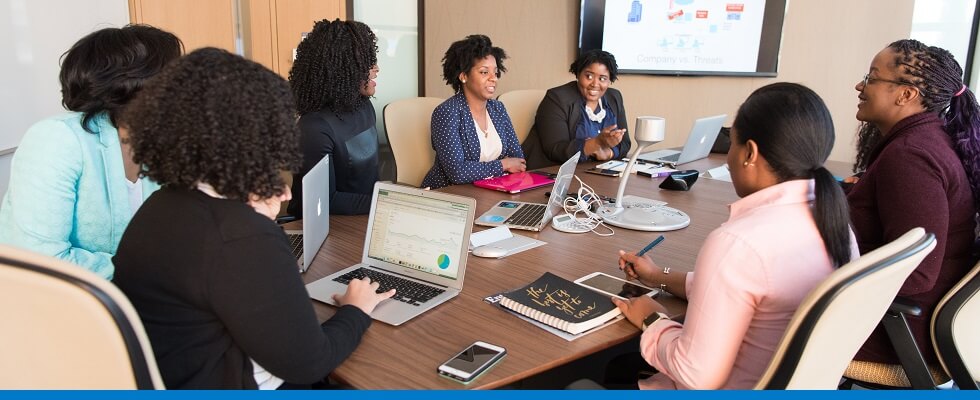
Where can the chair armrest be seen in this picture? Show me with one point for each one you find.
(904, 306)
(909, 356)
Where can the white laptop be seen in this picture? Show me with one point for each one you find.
(316, 215)
(698, 146)
(416, 242)
(532, 216)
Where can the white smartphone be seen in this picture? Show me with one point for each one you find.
(472, 361)
(615, 287)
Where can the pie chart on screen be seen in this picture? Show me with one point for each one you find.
(443, 261)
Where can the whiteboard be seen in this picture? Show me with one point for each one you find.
(33, 36)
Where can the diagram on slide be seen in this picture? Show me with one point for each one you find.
(689, 35)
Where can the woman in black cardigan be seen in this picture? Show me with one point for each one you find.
(333, 80)
(583, 115)
(208, 270)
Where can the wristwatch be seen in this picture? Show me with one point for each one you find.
(650, 320)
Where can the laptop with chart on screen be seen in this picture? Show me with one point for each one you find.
(416, 243)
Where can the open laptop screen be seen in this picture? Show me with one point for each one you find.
(421, 233)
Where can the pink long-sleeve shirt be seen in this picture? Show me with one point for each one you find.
(751, 275)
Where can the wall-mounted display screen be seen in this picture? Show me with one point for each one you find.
(686, 37)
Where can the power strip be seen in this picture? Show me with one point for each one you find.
(571, 224)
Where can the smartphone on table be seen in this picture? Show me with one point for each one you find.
(472, 361)
(603, 171)
(615, 287)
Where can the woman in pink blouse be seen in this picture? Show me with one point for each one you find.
(787, 234)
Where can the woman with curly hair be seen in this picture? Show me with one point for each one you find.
(73, 184)
(333, 80)
(584, 115)
(919, 150)
(210, 273)
(471, 132)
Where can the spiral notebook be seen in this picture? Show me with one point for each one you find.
(561, 303)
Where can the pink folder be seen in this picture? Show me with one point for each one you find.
(516, 183)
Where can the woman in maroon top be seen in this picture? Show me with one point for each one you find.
(919, 151)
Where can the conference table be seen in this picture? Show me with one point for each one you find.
(406, 356)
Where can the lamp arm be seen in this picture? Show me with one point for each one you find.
(640, 146)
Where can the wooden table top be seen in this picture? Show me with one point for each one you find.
(406, 357)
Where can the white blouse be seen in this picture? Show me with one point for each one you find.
(490, 144)
(135, 190)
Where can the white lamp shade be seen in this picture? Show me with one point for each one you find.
(650, 129)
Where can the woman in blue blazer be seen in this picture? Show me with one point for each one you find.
(73, 184)
(471, 132)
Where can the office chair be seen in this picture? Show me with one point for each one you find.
(407, 123)
(67, 328)
(837, 317)
(955, 329)
(522, 106)
(949, 328)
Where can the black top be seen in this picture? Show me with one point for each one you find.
(351, 140)
(552, 138)
(215, 284)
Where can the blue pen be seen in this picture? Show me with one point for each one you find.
(643, 251)
(650, 246)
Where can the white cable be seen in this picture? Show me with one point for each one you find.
(582, 204)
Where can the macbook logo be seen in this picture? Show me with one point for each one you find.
(702, 139)
(319, 208)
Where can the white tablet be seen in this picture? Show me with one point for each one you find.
(615, 287)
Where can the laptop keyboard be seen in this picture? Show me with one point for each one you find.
(296, 244)
(672, 157)
(406, 291)
(527, 215)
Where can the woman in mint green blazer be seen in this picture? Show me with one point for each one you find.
(73, 184)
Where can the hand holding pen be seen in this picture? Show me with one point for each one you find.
(628, 267)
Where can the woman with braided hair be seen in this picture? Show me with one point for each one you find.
(333, 79)
(919, 154)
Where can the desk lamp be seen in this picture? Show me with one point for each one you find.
(633, 212)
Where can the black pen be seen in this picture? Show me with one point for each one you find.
(643, 251)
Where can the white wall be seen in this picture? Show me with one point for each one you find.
(35, 33)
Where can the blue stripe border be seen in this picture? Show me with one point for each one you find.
(482, 395)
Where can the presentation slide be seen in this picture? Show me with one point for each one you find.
(684, 35)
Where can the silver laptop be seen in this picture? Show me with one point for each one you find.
(532, 216)
(698, 146)
(316, 215)
(416, 242)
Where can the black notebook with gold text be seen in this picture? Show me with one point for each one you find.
(561, 303)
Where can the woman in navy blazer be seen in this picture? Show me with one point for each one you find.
(472, 133)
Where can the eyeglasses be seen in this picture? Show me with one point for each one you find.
(868, 79)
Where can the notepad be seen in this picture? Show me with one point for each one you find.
(561, 303)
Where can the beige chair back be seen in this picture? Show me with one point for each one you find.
(67, 328)
(837, 317)
(522, 106)
(407, 123)
(956, 331)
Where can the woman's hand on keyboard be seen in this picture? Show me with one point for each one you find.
(361, 293)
